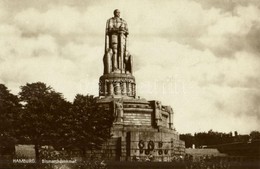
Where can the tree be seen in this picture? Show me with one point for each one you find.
(87, 127)
(9, 109)
(42, 114)
(255, 135)
(188, 138)
(212, 138)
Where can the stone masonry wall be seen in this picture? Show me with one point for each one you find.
(137, 118)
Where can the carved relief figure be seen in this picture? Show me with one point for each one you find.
(118, 111)
(158, 113)
(116, 59)
(170, 111)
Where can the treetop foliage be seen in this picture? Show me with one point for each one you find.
(216, 138)
(44, 117)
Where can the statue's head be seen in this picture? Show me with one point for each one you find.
(116, 13)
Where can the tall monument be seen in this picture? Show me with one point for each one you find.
(141, 129)
(117, 79)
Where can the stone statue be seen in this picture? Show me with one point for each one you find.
(116, 59)
(118, 111)
(116, 23)
(158, 113)
(170, 111)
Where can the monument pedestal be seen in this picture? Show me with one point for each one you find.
(138, 135)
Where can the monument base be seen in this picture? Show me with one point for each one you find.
(136, 135)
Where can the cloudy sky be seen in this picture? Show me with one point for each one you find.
(202, 57)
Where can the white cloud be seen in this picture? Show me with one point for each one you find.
(229, 33)
(60, 20)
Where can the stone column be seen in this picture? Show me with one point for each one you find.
(129, 90)
(124, 90)
(100, 88)
(111, 88)
(105, 88)
(133, 90)
(117, 88)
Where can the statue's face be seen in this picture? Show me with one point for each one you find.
(117, 13)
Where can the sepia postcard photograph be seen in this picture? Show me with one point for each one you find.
(95, 84)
